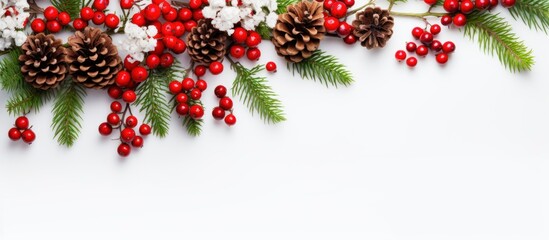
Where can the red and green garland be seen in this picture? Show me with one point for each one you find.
(169, 46)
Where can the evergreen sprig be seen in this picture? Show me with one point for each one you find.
(256, 94)
(11, 77)
(324, 68)
(193, 126)
(494, 35)
(67, 112)
(283, 5)
(534, 13)
(153, 101)
(72, 7)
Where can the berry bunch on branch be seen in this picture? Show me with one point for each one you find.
(166, 52)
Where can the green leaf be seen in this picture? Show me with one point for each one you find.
(256, 94)
(264, 31)
(534, 13)
(11, 77)
(494, 35)
(67, 112)
(72, 7)
(283, 5)
(193, 126)
(324, 68)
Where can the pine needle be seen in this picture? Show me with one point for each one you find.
(534, 13)
(67, 112)
(494, 35)
(255, 94)
(283, 5)
(324, 68)
(11, 77)
(72, 7)
(193, 126)
(26, 100)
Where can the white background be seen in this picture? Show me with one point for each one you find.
(453, 152)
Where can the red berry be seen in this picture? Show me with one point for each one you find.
(15, 134)
(451, 6)
(126, 4)
(331, 24)
(448, 47)
(220, 91)
(430, 2)
(28, 136)
(216, 67)
(181, 98)
(196, 111)
(253, 39)
(175, 87)
(195, 94)
(195, 4)
(179, 47)
(79, 24)
(185, 14)
(218, 113)
(178, 29)
(105, 129)
(237, 51)
(22, 122)
(508, 3)
(100, 5)
(124, 150)
(129, 96)
(240, 35)
(230, 119)
(152, 12)
(338, 9)
(422, 50)
(64, 18)
(127, 135)
(123, 78)
(271, 67)
(116, 107)
(253, 54)
(131, 121)
(349, 39)
(493, 4)
(112, 21)
(460, 20)
(38, 25)
(200, 70)
(328, 4)
(139, 74)
(171, 15)
(416, 32)
(170, 41)
(446, 20)
(466, 6)
(411, 46)
(189, 25)
(426, 37)
(400, 55)
(87, 13)
(53, 26)
(436, 46)
(145, 129)
(482, 4)
(226, 103)
(113, 119)
(51, 13)
(344, 29)
(98, 18)
(188, 84)
(152, 61)
(115, 92)
(349, 3)
(442, 58)
(435, 29)
(137, 142)
(166, 60)
(182, 109)
(201, 85)
(128, 64)
(411, 62)
(139, 19)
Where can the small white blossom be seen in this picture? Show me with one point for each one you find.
(12, 23)
(139, 40)
(250, 13)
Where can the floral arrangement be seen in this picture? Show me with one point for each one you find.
(168, 47)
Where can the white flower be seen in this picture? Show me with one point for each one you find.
(139, 41)
(12, 23)
(249, 13)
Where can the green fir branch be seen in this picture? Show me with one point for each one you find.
(283, 5)
(264, 31)
(26, 100)
(256, 94)
(193, 126)
(152, 101)
(534, 13)
(11, 77)
(495, 36)
(324, 68)
(72, 7)
(68, 109)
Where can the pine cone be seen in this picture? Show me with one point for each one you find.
(93, 59)
(205, 43)
(298, 32)
(373, 27)
(43, 61)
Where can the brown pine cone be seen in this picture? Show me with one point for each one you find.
(298, 32)
(93, 58)
(205, 43)
(43, 61)
(373, 27)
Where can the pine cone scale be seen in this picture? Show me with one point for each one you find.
(373, 27)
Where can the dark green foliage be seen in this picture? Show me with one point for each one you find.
(67, 112)
(193, 126)
(324, 68)
(534, 13)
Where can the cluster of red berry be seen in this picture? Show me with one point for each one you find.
(187, 96)
(117, 120)
(334, 21)
(225, 104)
(458, 9)
(246, 43)
(55, 21)
(426, 37)
(21, 130)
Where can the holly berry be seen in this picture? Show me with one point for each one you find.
(349, 39)
(331, 24)
(51, 13)
(451, 6)
(139, 74)
(482, 4)
(400, 55)
(64, 18)
(123, 78)
(124, 150)
(182, 109)
(422, 50)
(126, 4)
(152, 61)
(226, 103)
(349, 3)
(87, 13)
(112, 20)
(411, 62)
(53, 26)
(195, 4)
(237, 51)
(28, 136)
(240, 35)
(152, 12)
(79, 24)
(185, 14)
(196, 111)
(436, 45)
(15, 134)
(430, 2)
(426, 37)
(131, 121)
(460, 20)
(508, 3)
(270, 66)
(220, 91)
(216, 67)
(137, 142)
(144, 129)
(253, 39)
(175, 87)
(442, 58)
(466, 6)
(129, 96)
(166, 60)
(22, 122)
(416, 32)
(98, 18)
(181, 98)
(448, 47)
(328, 4)
(344, 29)
(171, 15)
(114, 92)
(338, 9)
(411, 47)
(218, 113)
(435, 29)
(100, 5)
(195, 94)
(201, 85)
(230, 119)
(139, 19)
(116, 107)
(253, 54)
(105, 129)
(127, 135)
(188, 84)
(446, 20)
(200, 70)
(38, 25)
(113, 119)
